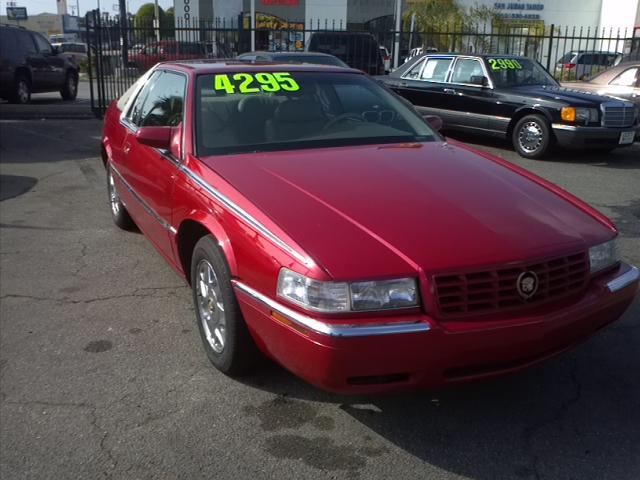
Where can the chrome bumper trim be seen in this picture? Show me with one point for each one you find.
(624, 280)
(560, 126)
(330, 329)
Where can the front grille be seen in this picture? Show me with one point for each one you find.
(618, 114)
(492, 291)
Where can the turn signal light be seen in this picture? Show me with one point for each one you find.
(568, 114)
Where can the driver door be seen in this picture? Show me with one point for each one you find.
(151, 172)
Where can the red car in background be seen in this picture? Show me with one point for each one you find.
(321, 221)
(166, 50)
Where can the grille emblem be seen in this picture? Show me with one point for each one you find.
(527, 284)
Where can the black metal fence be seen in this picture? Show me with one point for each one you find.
(119, 54)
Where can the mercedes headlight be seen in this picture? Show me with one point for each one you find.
(604, 255)
(337, 297)
(583, 115)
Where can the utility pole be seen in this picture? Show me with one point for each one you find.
(396, 47)
(253, 25)
(156, 19)
(124, 34)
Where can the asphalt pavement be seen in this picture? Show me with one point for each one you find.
(102, 374)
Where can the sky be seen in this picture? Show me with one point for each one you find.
(49, 6)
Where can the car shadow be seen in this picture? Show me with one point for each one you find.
(576, 416)
(12, 186)
(621, 158)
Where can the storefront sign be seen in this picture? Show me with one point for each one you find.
(518, 6)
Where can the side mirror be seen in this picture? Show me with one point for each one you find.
(55, 50)
(156, 137)
(480, 80)
(165, 138)
(433, 121)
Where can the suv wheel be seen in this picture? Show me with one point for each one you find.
(532, 136)
(21, 90)
(70, 89)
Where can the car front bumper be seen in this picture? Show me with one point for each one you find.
(420, 352)
(576, 136)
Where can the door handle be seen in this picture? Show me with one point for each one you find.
(449, 90)
(403, 84)
(126, 148)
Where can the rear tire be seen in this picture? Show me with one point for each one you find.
(69, 91)
(118, 211)
(224, 333)
(532, 137)
(21, 90)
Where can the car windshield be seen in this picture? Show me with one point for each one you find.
(516, 72)
(266, 111)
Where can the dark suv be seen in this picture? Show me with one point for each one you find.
(29, 64)
(357, 49)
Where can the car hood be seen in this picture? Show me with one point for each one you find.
(562, 94)
(366, 211)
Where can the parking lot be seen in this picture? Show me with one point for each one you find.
(103, 375)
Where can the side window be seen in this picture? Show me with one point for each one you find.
(414, 72)
(8, 44)
(134, 115)
(164, 104)
(586, 59)
(436, 69)
(626, 78)
(464, 69)
(42, 45)
(25, 43)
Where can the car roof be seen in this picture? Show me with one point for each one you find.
(285, 53)
(207, 66)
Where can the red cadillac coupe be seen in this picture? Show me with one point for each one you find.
(321, 221)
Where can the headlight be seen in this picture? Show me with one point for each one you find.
(604, 255)
(336, 297)
(572, 114)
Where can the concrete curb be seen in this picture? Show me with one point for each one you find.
(35, 111)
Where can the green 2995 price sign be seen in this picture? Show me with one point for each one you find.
(246, 83)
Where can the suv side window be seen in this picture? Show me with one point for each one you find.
(42, 45)
(464, 69)
(164, 104)
(436, 69)
(25, 43)
(8, 44)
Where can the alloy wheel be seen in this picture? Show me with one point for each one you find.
(530, 137)
(210, 306)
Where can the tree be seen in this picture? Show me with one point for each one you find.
(439, 23)
(144, 16)
(168, 23)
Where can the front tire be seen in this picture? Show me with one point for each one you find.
(118, 211)
(223, 331)
(69, 90)
(532, 137)
(21, 90)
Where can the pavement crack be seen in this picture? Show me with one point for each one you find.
(144, 292)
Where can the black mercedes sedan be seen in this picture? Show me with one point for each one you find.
(515, 98)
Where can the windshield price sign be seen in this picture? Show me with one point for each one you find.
(255, 82)
(504, 64)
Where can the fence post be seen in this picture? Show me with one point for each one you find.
(553, 27)
(87, 21)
